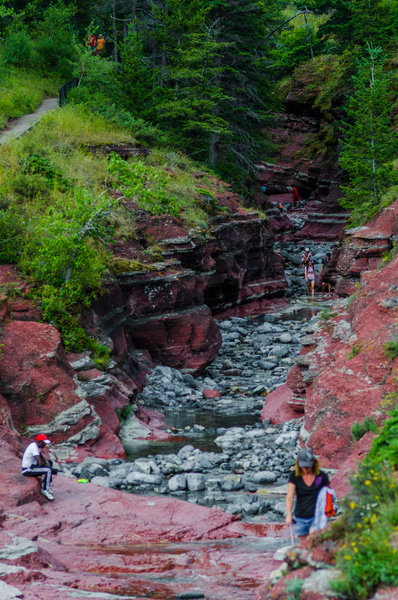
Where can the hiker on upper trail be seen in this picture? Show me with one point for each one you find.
(310, 276)
(305, 483)
(295, 196)
(34, 464)
(91, 42)
(100, 44)
(324, 278)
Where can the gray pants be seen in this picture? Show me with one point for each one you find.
(36, 471)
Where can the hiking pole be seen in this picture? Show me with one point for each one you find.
(291, 534)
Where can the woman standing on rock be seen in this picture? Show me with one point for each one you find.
(305, 483)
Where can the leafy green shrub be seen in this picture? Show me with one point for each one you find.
(326, 314)
(54, 48)
(358, 430)
(125, 413)
(12, 289)
(53, 54)
(293, 588)
(37, 164)
(63, 253)
(390, 254)
(12, 231)
(355, 350)
(145, 184)
(17, 49)
(390, 349)
(385, 446)
(100, 353)
(368, 556)
(29, 186)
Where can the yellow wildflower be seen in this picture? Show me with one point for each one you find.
(352, 505)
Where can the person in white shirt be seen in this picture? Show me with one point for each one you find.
(35, 465)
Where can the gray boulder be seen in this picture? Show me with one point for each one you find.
(103, 481)
(136, 478)
(177, 483)
(264, 477)
(195, 482)
(232, 483)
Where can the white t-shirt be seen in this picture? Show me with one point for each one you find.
(29, 456)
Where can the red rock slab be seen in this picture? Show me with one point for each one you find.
(89, 514)
(220, 570)
(276, 407)
(96, 539)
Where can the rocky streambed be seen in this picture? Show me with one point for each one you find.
(217, 452)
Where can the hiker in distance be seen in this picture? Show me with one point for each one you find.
(305, 256)
(310, 276)
(324, 278)
(34, 464)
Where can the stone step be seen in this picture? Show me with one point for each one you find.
(329, 215)
(297, 403)
(327, 221)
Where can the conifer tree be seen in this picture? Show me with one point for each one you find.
(243, 26)
(357, 22)
(136, 76)
(369, 145)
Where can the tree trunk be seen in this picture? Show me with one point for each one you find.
(133, 9)
(115, 53)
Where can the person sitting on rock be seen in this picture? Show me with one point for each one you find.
(35, 465)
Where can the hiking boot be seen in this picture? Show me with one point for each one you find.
(48, 494)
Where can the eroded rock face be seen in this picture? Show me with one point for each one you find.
(170, 312)
(318, 215)
(362, 249)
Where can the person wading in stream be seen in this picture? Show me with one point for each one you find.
(324, 278)
(305, 483)
(310, 276)
(34, 464)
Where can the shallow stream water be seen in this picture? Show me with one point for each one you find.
(212, 418)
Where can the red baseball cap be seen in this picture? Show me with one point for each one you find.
(41, 437)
